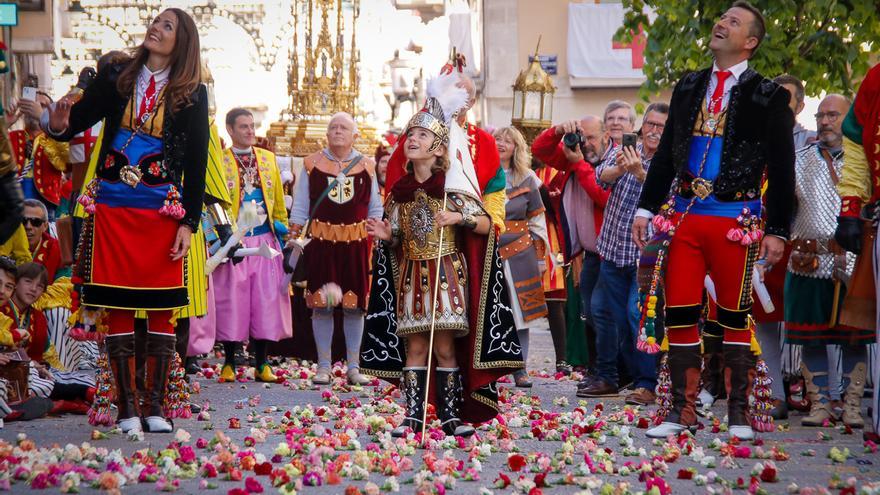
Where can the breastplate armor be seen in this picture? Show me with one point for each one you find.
(420, 235)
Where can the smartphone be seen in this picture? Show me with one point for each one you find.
(29, 93)
(630, 139)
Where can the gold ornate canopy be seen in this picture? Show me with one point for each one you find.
(326, 82)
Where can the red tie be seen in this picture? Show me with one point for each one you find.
(149, 98)
(718, 94)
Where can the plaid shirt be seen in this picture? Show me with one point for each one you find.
(615, 238)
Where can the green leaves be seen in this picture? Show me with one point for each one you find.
(826, 43)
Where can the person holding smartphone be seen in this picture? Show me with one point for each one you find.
(614, 300)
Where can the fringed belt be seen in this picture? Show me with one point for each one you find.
(332, 232)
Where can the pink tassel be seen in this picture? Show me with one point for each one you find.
(84, 200)
(179, 212)
(659, 223)
(735, 235)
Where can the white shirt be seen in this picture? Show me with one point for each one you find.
(143, 82)
(732, 80)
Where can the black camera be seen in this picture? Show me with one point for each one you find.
(573, 140)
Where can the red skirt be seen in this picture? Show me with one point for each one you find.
(129, 265)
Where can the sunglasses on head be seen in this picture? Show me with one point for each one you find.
(36, 222)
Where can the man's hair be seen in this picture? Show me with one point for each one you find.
(347, 117)
(235, 113)
(798, 85)
(7, 265)
(617, 104)
(758, 29)
(658, 107)
(36, 203)
(591, 117)
(34, 271)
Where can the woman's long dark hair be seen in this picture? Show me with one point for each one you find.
(185, 64)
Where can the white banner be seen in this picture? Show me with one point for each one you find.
(594, 58)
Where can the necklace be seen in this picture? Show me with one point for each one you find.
(713, 120)
(247, 169)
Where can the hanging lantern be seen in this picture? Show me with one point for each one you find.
(533, 99)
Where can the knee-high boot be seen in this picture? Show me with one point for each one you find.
(739, 375)
(449, 399)
(414, 380)
(120, 354)
(160, 351)
(684, 374)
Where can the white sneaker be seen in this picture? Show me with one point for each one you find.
(743, 432)
(158, 424)
(705, 399)
(665, 429)
(130, 425)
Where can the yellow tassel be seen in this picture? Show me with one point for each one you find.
(664, 346)
(702, 350)
(755, 346)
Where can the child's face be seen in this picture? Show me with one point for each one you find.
(7, 286)
(28, 290)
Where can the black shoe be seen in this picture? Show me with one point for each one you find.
(192, 366)
(599, 388)
(563, 367)
(589, 377)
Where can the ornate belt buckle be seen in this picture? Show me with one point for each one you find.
(130, 175)
(701, 187)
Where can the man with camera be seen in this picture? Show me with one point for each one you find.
(572, 147)
(614, 302)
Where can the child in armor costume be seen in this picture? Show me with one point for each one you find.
(429, 213)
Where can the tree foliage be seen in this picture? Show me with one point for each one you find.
(825, 43)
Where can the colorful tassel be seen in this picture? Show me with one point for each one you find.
(664, 392)
(173, 207)
(177, 393)
(99, 412)
(762, 404)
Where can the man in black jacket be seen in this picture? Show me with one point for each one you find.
(727, 127)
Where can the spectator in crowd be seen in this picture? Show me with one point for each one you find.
(524, 227)
(72, 391)
(615, 300)
(802, 135)
(44, 248)
(817, 270)
(583, 201)
(41, 159)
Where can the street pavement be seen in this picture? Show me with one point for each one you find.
(807, 466)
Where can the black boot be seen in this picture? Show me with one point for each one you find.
(739, 375)
(120, 355)
(414, 379)
(684, 374)
(160, 352)
(449, 399)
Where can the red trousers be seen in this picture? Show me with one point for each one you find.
(700, 246)
(121, 321)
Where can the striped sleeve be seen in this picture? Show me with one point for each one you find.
(215, 178)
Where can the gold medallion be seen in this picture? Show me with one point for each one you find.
(130, 175)
(701, 187)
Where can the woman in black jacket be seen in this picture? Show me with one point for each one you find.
(144, 203)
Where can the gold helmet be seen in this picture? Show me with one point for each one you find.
(445, 100)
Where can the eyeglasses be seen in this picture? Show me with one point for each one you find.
(35, 222)
(655, 125)
(832, 116)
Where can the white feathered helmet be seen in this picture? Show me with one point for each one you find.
(445, 99)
